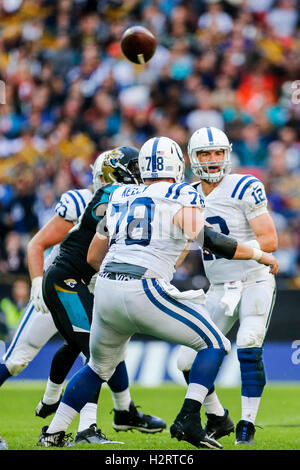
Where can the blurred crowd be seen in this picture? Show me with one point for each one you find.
(67, 93)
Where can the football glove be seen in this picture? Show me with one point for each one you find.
(37, 295)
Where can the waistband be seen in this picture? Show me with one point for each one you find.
(250, 278)
(118, 276)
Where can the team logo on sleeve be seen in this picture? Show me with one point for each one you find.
(70, 282)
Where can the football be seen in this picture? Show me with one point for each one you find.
(138, 44)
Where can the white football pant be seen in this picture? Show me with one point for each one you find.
(253, 312)
(34, 330)
(123, 308)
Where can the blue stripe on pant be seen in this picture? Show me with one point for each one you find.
(179, 317)
(189, 310)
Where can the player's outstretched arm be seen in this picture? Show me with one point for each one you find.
(229, 248)
(244, 251)
(190, 220)
(52, 233)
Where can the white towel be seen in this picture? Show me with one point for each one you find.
(197, 296)
(232, 296)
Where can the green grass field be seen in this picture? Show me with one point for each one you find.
(279, 418)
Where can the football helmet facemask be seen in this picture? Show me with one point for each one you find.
(97, 170)
(209, 138)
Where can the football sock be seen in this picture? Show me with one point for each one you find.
(122, 400)
(4, 374)
(250, 407)
(62, 419)
(62, 363)
(206, 366)
(212, 404)
(186, 375)
(253, 376)
(196, 392)
(119, 380)
(82, 388)
(253, 380)
(52, 393)
(88, 416)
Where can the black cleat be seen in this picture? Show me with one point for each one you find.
(92, 435)
(134, 419)
(56, 439)
(188, 428)
(244, 432)
(42, 410)
(218, 426)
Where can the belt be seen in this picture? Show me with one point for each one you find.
(118, 276)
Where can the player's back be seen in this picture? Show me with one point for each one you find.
(141, 229)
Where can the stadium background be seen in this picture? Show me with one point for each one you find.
(70, 94)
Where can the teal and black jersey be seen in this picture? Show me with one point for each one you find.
(74, 248)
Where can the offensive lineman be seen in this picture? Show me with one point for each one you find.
(148, 228)
(68, 297)
(236, 205)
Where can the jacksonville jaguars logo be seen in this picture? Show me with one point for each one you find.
(70, 282)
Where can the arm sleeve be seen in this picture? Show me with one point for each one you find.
(219, 244)
(255, 201)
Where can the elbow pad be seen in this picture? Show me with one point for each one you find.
(219, 244)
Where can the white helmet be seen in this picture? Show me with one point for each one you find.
(209, 138)
(161, 157)
(97, 170)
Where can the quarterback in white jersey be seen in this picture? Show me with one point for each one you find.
(235, 205)
(35, 329)
(148, 228)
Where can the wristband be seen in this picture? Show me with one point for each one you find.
(257, 254)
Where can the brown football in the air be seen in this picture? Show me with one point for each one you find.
(138, 44)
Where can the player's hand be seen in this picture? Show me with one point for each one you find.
(269, 260)
(37, 295)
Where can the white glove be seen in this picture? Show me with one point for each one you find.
(37, 294)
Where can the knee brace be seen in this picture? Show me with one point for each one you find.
(252, 371)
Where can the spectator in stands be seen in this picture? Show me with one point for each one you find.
(70, 94)
(12, 307)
